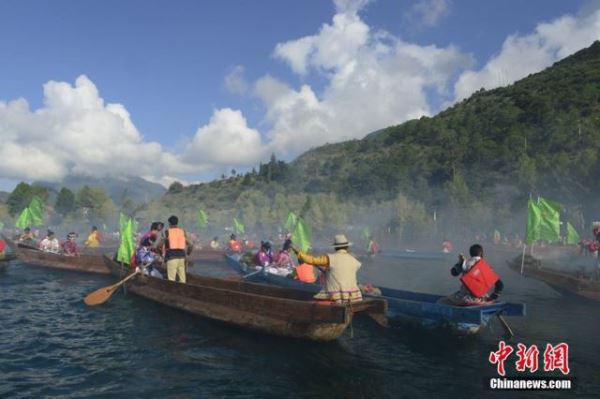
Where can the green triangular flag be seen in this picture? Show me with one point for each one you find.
(301, 236)
(238, 227)
(572, 235)
(202, 219)
(291, 221)
(127, 243)
(36, 207)
(549, 229)
(24, 219)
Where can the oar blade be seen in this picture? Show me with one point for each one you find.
(99, 296)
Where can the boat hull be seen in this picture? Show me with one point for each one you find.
(258, 307)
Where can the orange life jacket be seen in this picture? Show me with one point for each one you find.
(305, 273)
(249, 244)
(480, 278)
(235, 246)
(176, 238)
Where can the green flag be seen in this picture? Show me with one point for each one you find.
(543, 221)
(549, 220)
(127, 244)
(24, 219)
(238, 227)
(36, 208)
(572, 235)
(291, 221)
(202, 219)
(366, 233)
(301, 235)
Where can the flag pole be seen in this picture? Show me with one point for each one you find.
(523, 258)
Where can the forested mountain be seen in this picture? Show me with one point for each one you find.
(538, 136)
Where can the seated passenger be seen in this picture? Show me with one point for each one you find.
(69, 247)
(27, 238)
(50, 243)
(234, 245)
(214, 244)
(146, 258)
(283, 258)
(93, 240)
(264, 256)
(477, 279)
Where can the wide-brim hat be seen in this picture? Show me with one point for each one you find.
(341, 241)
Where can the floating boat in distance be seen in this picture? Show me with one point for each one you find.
(406, 307)
(82, 263)
(563, 283)
(274, 310)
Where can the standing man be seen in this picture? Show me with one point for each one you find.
(176, 245)
(340, 270)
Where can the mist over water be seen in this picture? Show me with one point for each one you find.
(51, 344)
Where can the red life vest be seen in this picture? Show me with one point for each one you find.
(235, 246)
(374, 247)
(305, 273)
(2, 245)
(480, 278)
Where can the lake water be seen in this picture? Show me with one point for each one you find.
(52, 345)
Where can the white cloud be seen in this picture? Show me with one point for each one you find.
(374, 80)
(523, 55)
(75, 132)
(225, 141)
(428, 13)
(235, 82)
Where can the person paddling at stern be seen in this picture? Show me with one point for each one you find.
(340, 270)
(477, 279)
(176, 245)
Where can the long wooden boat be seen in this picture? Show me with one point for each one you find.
(82, 263)
(264, 308)
(564, 283)
(406, 307)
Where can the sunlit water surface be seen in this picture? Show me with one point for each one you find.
(51, 344)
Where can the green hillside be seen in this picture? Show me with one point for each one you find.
(540, 135)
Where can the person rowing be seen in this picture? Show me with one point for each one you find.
(477, 279)
(340, 269)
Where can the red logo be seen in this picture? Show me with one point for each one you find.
(555, 357)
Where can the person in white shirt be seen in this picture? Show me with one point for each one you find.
(214, 244)
(50, 243)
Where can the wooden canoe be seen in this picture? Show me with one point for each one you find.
(561, 282)
(82, 263)
(264, 308)
(407, 307)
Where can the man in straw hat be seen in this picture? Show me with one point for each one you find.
(340, 270)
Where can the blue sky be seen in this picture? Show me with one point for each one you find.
(166, 62)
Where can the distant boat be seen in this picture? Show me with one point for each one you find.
(83, 263)
(562, 282)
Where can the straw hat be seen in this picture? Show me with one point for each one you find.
(340, 241)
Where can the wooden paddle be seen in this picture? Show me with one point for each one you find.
(507, 330)
(102, 295)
